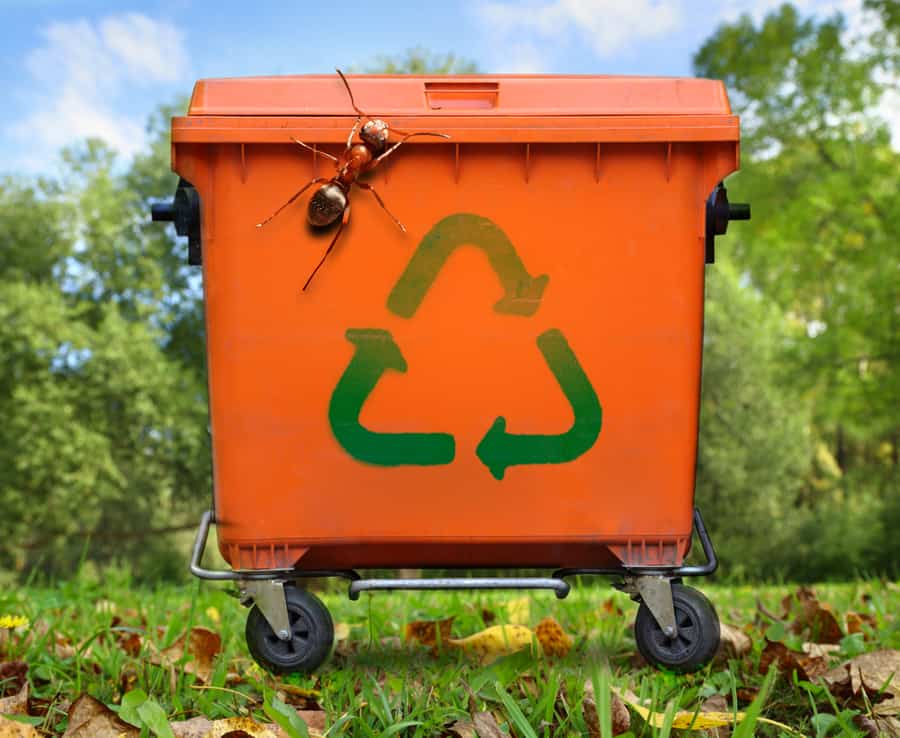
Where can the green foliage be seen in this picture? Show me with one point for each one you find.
(105, 432)
(754, 443)
(420, 61)
(822, 247)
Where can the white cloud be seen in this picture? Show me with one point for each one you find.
(80, 76)
(607, 26)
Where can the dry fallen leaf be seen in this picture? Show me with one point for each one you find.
(90, 718)
(823, 650)
(426, 631)
(14, 729)
(689, 720)
(553, 639)
(498, 640)
(16, 704)
(807, 667)
(486, 726)
(611, 608)
(12, 677)
(858, 622)
(241, 725)
(463, 729)
(718, 704)
(518, 611)
(817, 620)
(202, 648)
(872, 672)
(733, 643)
(621, 719)
(342, 631)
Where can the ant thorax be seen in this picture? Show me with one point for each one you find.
(375, 133)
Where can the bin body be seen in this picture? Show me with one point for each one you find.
(515, 380)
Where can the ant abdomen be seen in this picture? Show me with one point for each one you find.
(326, 205)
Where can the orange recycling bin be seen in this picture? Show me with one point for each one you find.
(497, 364)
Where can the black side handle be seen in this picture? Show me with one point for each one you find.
(184, 212)
(718, 212)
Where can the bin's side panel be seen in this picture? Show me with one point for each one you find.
(359, 423)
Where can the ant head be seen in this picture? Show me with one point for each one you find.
(375, 133)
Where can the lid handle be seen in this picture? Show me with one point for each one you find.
(462, 95)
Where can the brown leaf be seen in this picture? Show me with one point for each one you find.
(878, 727)
(869, 672)
(872, 671)
(294, 696)
(14, 729)
(807, 667)
(196, 727)
(16, 704)
(733, 643)
(426, 631)
(621, 718)
(463, 729)
(553, 639)
(486, 726)
(90, 718)
(130, 642)
(488, 616)
(716, 704)
(860, 622)
(241, 726)
(820, 649)
(815, 619)
(202, 648)
(611, 608)
(12, 677)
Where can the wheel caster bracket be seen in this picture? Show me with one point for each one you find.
(268, 596)
(656, 592)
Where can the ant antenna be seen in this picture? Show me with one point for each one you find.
(349, 91)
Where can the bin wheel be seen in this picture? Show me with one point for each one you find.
(698, 632)
(312, 635)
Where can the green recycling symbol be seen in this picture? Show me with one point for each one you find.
(376, 352)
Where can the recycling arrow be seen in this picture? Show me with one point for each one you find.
(522, 292)
(376, 353)
(499, 450)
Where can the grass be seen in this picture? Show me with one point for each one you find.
(374, 685)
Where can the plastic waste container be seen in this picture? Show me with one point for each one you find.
(511, 380)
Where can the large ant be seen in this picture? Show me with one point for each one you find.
(332, 199)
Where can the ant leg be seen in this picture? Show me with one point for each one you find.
(315, 151)
(353, 132)
(371, 189)
(297, 194)
(330, 246)
(402, 141)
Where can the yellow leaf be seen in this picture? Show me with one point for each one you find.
(519, 610)
(690, 720)
(498, 640)
(213, 614)
(342, 631)
(13, 621)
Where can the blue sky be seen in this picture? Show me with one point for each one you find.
(76, 68)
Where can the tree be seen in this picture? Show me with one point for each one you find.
(105, 426)
(821, 174)
(420, 61)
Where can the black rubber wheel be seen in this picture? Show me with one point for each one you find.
(312, 635)
(698, 632)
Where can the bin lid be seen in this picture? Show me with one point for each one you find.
(472, 107)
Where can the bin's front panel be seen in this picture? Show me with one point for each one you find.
(520, 368)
